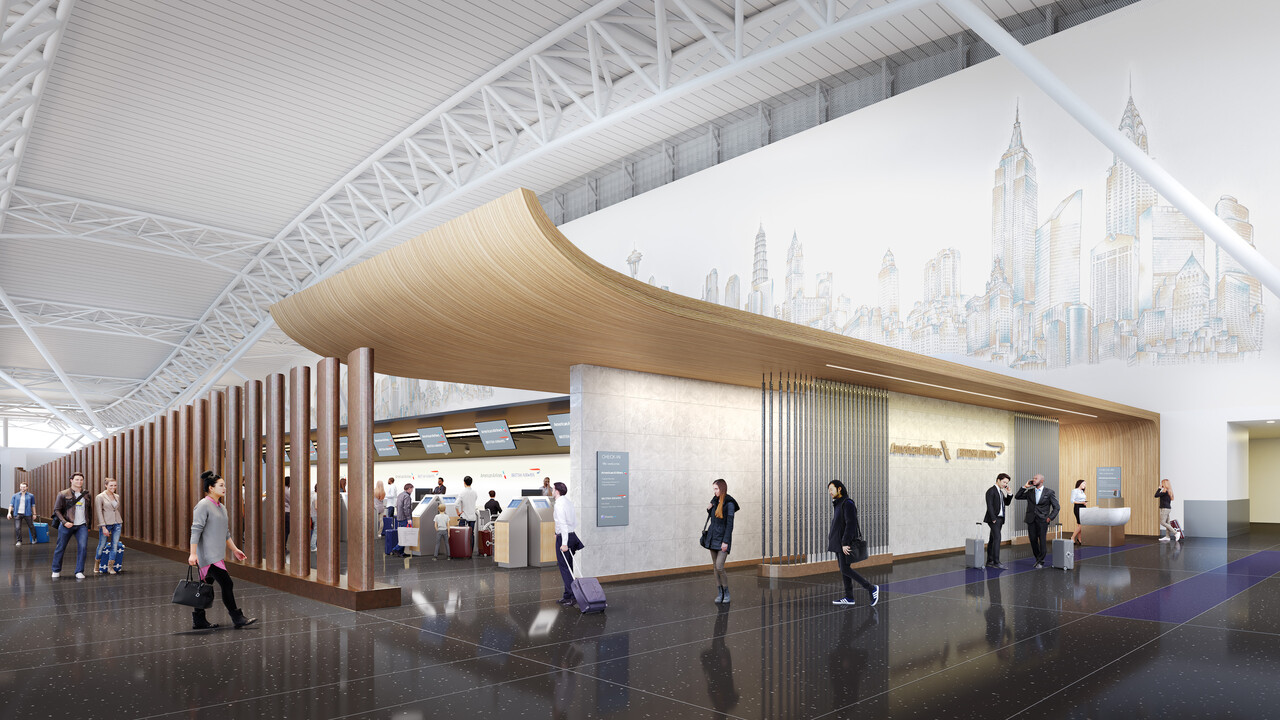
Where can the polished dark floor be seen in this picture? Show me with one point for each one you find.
(1149, 630)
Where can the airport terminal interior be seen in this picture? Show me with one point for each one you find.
(864, 358)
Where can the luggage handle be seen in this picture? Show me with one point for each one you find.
(979, 534)
(572, 572)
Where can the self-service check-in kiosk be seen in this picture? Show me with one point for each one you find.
(542, 532)
(511, 535)
(424, 518)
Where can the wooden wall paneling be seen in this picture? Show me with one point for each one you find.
(273, 475)
(184, 502)
(253, 472)
(215, 429)
(233, 461)
(147, 463)
(328, 534)
(169, 486)
(132, 451)
(360, 517)
(300, 470)
(199, 447)
(1134, 447)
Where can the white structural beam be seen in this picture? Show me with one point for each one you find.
(51, 218)
(40, 379)
(39, 313)
(32, 31)
(12, 382)
(52, 362)
(540, 101)
(1164, 183)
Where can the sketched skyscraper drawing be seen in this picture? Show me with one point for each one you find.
(1013, 216)
(1058, 255)
(711, 290)
(733, 293)
(1128, 195)
(888, 286)
(633, 262)
(760, 301)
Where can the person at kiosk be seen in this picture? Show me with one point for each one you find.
(493, 507)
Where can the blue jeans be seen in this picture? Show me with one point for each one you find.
(82, 545)
(112, 537)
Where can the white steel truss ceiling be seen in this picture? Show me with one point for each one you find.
(193, 163)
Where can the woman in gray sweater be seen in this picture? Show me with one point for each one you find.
(210, 541)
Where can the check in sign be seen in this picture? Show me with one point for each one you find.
(613, 470)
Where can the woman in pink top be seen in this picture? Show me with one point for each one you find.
(210, 542)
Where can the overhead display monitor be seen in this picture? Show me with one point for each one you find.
(342, 448)
(313, 451)
(434, 441)
(560, 426)
(495, 435)
(384, 445)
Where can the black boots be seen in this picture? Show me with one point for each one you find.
(200, 622)
(239, 620)
(722, 595)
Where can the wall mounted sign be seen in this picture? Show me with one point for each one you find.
(1107, 482)
(384, 445)
(944, 451)
(613, 471)
(434, 441)
(495, 435)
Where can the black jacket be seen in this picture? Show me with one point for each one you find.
(1048, 508)
(993, 505)
(721, 529)
(844, 525)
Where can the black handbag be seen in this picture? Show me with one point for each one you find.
(705, 541)
(858, 551)
(193, 592)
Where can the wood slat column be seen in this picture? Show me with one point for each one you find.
(300, 471)
(151, 462)
(133, 450)
(215, 429)
(328, 534)
(273, 475)
(199, 448)
(169, 484)
(253, 472)
(233, 461)
(360, 469)
(183, 502)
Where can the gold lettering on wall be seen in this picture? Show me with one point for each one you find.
(943, 451)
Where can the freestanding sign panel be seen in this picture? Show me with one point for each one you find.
(612, 487)
(560, 426)
(1107, 484)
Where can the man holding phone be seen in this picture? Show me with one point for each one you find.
(1042, 510)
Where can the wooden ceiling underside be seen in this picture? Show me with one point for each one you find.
(500, 297)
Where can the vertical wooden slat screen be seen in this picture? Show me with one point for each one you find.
(300, 470)
(328, 534)
(182, 480)
(132, 469)
(360, 469)
(199, 450)
(169, 507)
(150, 463)
(233, 466)
(273, 475)
(215, 427)
(253, 471)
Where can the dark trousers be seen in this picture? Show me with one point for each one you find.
(1038, 534)
(82, 545)
(223, 578)
(993, 541)
(849, 575)
(17, 528)
(564, 561)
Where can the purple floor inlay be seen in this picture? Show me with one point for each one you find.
(1261, 564)
(1184, 600)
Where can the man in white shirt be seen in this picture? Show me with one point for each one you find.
(467, 504)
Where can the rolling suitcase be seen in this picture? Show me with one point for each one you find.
(1177, 527)
(974, 555)
(389, 535)
(1064, 551)
(42, 532)
(486, 543)
(587, 593)
(459, 542)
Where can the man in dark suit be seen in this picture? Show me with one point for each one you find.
(998, 498)
(1042, 510)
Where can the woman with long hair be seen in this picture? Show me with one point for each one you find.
(1165, 494)
(379, 502)
(210, 542)
(719, 526)
(844, 531)
(1079, 498)
(107, 505)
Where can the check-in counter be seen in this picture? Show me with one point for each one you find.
(424, 518)
(542, 533)
(511, 534)
(1103, 526)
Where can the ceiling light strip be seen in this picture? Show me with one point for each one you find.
(966, 392)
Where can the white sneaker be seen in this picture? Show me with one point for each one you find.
(843, 601)
(55, 575)
(79, 576)
(1164, 539)
(17, 544)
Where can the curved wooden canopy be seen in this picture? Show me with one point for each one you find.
(500, 297)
